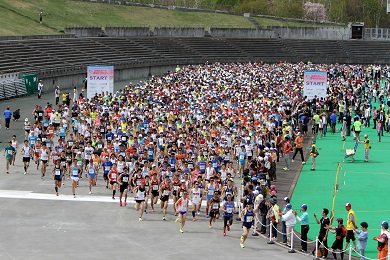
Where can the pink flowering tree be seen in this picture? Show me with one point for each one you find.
(315, 11)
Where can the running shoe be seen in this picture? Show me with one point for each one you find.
(198, 212)
(242, 245)
(242, 239)
(292, 160)
(207, 216)
(113, 198)
(56, 193)
(177, 220)
(125, 203)
(210, 226)
(194, 219)
(106, 187)
(224, 234)
(153, 210)
(90, 192)
(7, 172)
(164, 218)
(74, 196)
(285, 168)
(228, 228)
(25, 173)
(145, 212)
(120, 203)
(181, 230)
(139, 219)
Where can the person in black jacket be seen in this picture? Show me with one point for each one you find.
(16, 114)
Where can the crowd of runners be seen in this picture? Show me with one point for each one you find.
(191, 134)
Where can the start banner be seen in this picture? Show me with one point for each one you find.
(99, 79)
(315, 84)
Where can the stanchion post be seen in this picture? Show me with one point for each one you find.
(292, 242)
(316, 252)
(270, 242)
(254, 227)
(350, 253)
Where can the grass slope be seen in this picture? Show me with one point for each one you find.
(61, 13)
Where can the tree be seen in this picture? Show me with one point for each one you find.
(315, 11)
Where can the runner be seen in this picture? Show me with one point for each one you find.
(9, 155)
(247, 222)
(195, 199)
(228, 210)
(209, 192)
(27, 153)
(112, 176)
(165, 191)
(44, 157)
(15, 144)
(74, 175)
(140, 195)
(214, 203)
(182, 209)
(123, 180)
(91, 170)
(155, 184)
(57, 172)
(107, 165)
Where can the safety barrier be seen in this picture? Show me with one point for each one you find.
(349, 250)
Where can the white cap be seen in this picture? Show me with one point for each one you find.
(26, 119)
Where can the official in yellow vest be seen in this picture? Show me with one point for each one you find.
(351, 225)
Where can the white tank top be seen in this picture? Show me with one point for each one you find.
(183, 206)
(26, 151)
(44, 155)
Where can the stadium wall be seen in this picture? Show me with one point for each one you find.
(325, 33)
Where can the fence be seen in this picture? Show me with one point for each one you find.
(12, 88)
(376, 34)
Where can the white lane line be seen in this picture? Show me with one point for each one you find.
(18, 194)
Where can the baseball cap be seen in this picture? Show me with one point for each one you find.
(365, 136)
(143, 181)
(255, 192)
(289, 206)
(385, 224)
(26, 119)
(348, 204)
(286, 199)
(304, 206)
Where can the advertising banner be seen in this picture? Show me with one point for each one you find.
(315, 84)
(99, 79)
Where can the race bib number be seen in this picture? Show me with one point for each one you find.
(155, 187)
(249, 219)
(166, 192)
(57, 172)
(215, 205)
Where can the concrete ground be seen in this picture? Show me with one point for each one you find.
(35, 224)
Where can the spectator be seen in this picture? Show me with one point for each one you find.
(299, 147)
(362, 239)
(40, 87)
(7, 116)
(333, 121)
(383, 241)
(304, 220)
(16, 114)
(286, 151)
(290, 221)
(313, 153)
(323, 234)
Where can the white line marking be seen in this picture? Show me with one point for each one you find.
(19, 194)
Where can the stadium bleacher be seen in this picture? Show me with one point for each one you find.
(59, 53)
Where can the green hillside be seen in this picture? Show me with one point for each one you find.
(21, 17)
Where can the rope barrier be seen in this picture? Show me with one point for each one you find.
(310, 242)
(331, 250)
(366, 258)
(284, 234)
(257, 219)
